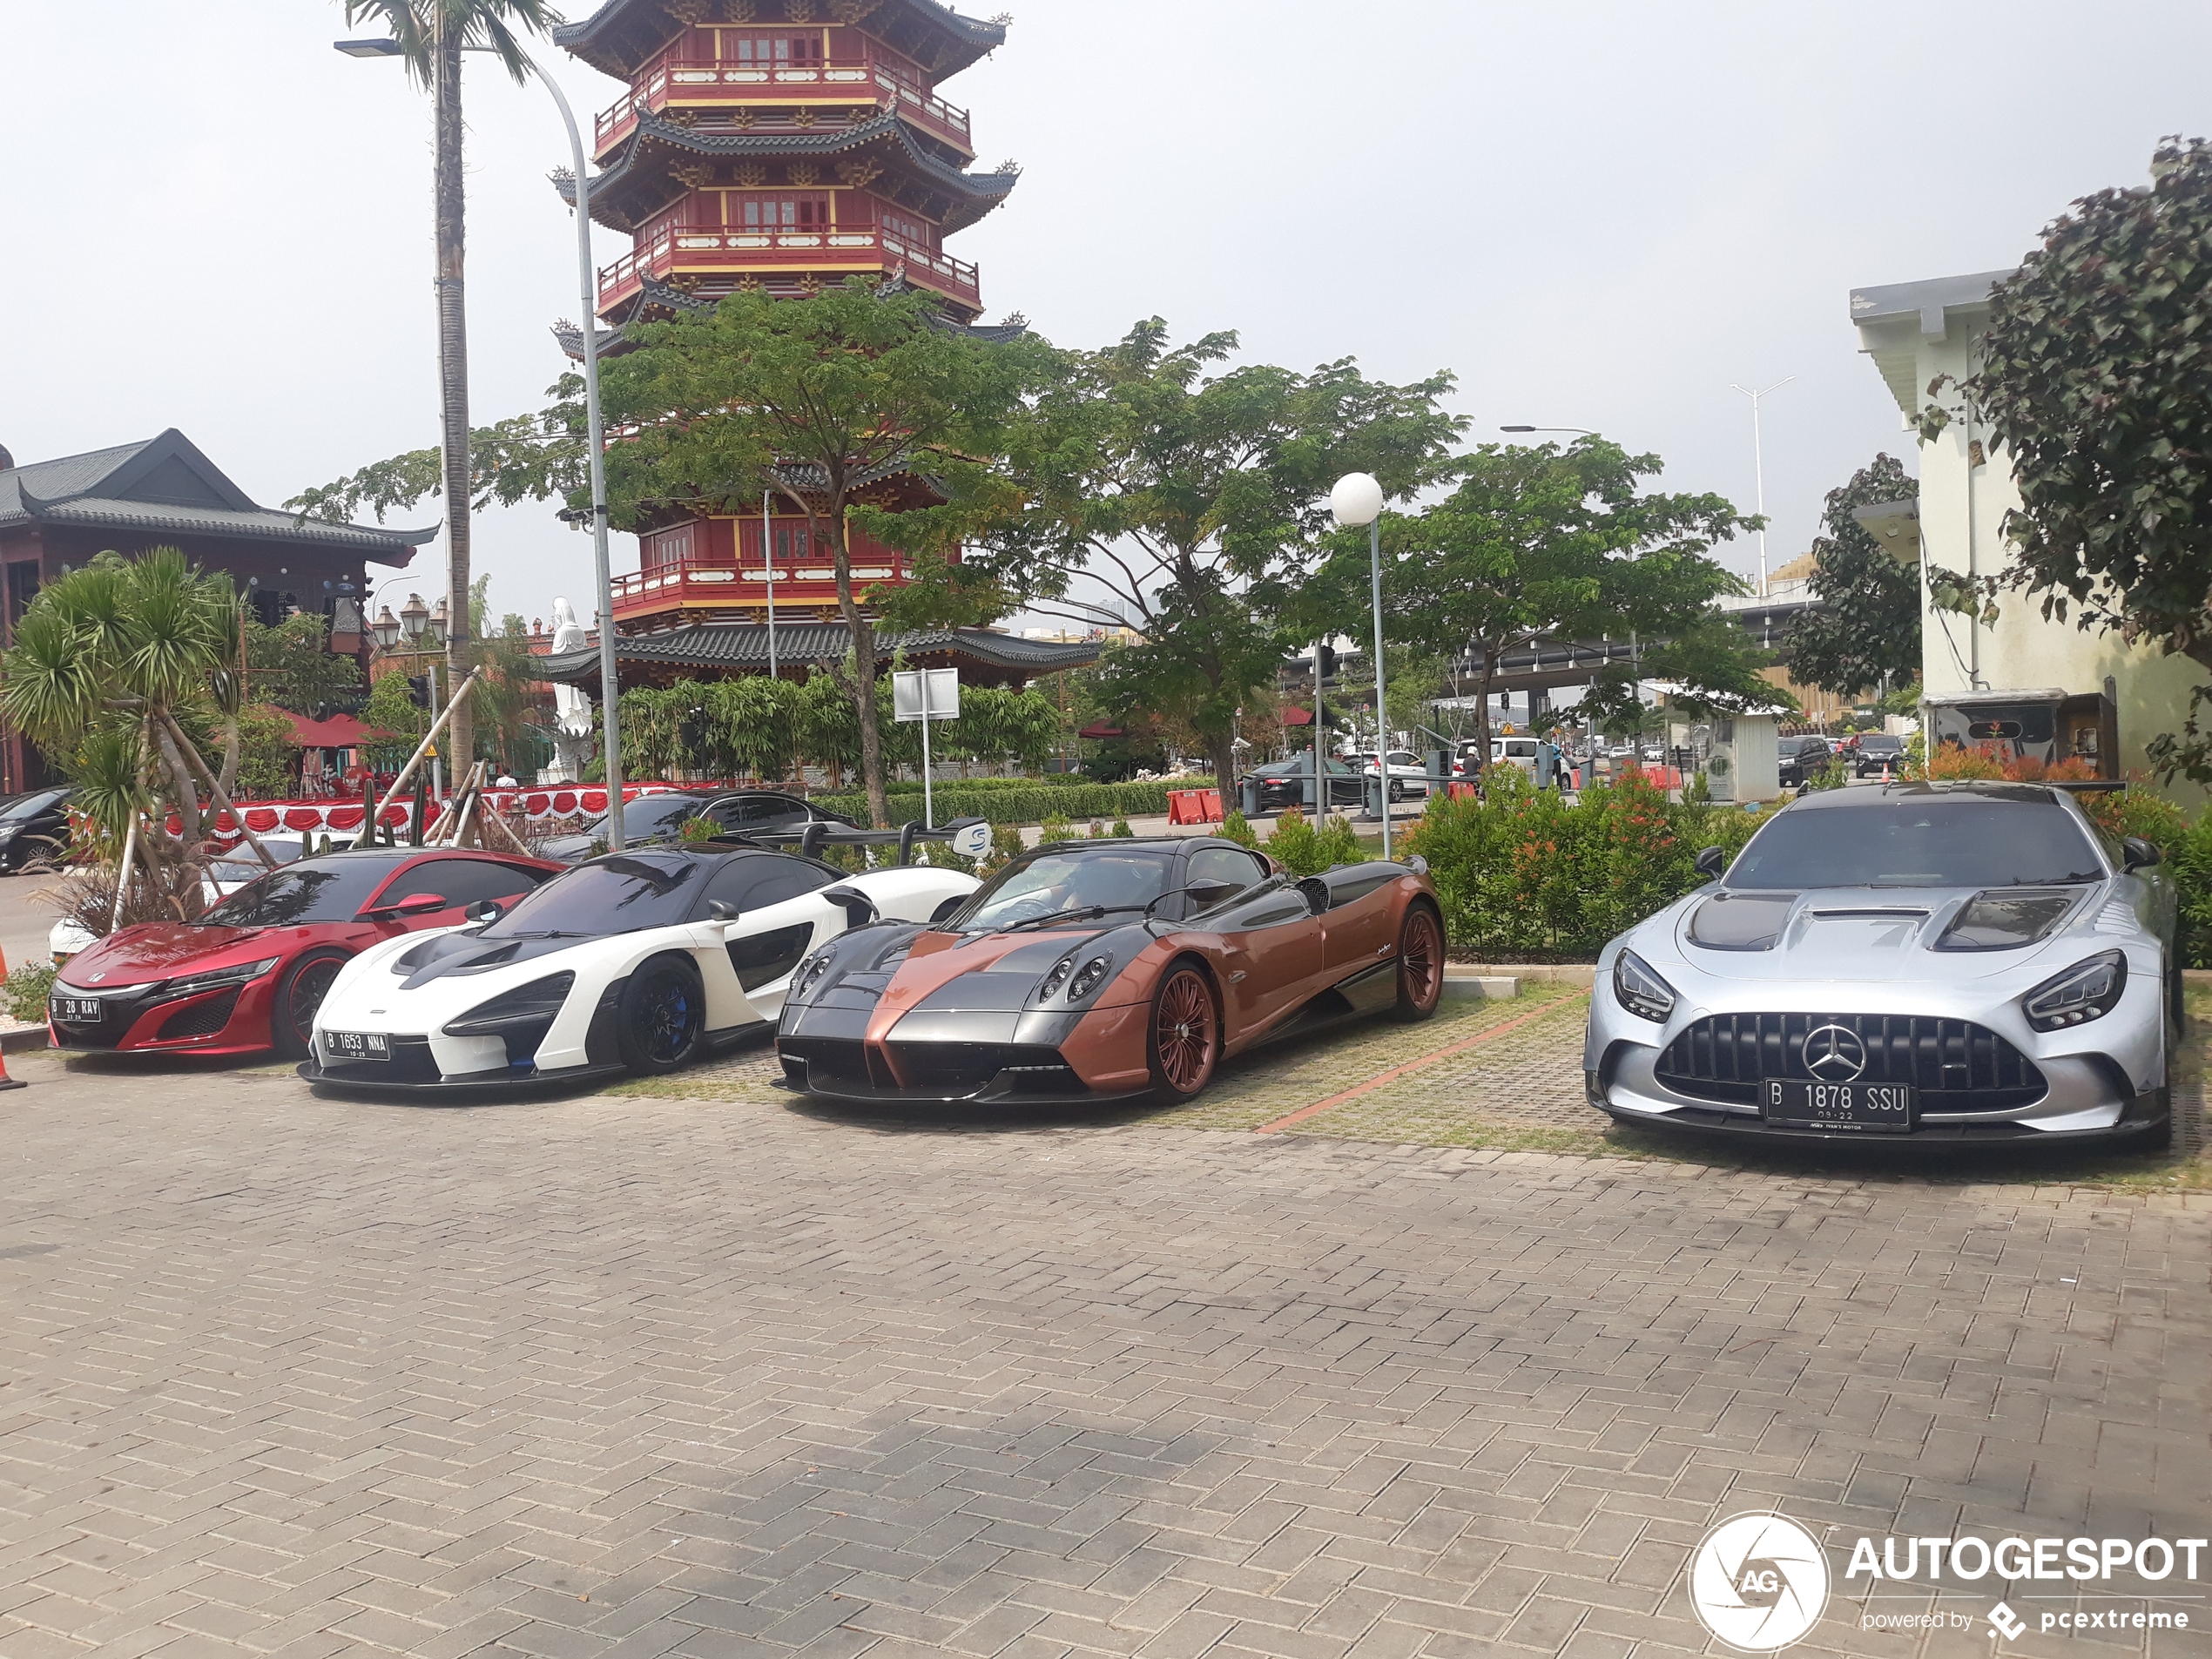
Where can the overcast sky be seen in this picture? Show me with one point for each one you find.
(1594, 215)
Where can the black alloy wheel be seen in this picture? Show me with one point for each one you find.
(662, 1016)
(300, 992)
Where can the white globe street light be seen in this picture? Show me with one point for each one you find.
(1357, 499)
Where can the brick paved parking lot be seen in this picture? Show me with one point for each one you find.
(700, 1370)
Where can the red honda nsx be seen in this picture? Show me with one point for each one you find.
(248, 976)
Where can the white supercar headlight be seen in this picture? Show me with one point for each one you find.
(1637, 987)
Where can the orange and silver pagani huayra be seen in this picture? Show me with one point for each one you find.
(1088, 970)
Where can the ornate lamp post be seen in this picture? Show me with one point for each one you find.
(1357, 499)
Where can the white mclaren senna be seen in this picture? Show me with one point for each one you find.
(638, 961)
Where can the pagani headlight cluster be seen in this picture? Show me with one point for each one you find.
(2087, 991)
(1080, 982)
(809, 975)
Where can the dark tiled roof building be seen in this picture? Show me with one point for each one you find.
(164, 492)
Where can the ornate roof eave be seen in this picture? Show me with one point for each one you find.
(395, 548)
(621, 34)
(977, 193)
(744, 646)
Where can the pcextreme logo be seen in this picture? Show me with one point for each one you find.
(1758, 1581)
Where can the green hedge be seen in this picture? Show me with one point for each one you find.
(1021, 800)
(1525, 877)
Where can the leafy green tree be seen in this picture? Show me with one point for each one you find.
(1535, 542)
(125, 672)
(293, 666)
(1184, 503)
(268, 750)
(1866, 632)
(431, 36)
(389, 710)
(2096, 378)
(823, 404)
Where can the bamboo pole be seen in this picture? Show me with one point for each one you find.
(123, 882)
(368, 824)
(194, 760)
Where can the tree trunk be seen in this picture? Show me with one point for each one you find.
(863, 635)
(453, 372)
(1489, 660)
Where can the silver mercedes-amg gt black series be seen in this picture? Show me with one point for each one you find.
(1961, 963)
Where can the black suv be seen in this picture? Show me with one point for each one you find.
(1284, 783)
(33, 826)
(1801, 757)
(1878, 753)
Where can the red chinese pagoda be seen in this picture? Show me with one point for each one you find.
(778, 146)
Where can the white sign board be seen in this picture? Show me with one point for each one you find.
(938, 689)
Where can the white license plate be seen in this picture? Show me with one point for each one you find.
(81, 1010)
(356, 1045)
(1878, 1109)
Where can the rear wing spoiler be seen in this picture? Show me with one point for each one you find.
(969, 837)
(2085, 785)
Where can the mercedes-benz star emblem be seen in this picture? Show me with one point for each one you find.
(1834, 1053)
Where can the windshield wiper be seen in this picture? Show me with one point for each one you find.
(1081, 912)
(2071, 876)
(547, 932)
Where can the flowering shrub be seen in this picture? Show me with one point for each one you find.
(1525, 877)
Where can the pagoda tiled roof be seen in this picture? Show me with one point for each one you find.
(165, 485)
(955, 41)
(743, 647)
(974, 194)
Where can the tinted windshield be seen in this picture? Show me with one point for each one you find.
(611, 896)
(649, 815)
(26, 806)
(331, 889)
(1057, 881)
(1879, 742)
(1922, 842)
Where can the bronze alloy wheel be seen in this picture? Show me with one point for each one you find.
(1186, 1034)
(1420, 964)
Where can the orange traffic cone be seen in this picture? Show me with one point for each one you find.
(6, 1082)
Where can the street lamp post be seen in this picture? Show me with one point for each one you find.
(1758, 465)
(1584, 430)
(1357, 499)
(610, 689)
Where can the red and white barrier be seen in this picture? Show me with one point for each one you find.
(323, 817)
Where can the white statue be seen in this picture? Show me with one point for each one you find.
(572, 723)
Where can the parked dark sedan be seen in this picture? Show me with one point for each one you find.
(1284, 783)
(1801, 759)
(658, 820)
(33, 826)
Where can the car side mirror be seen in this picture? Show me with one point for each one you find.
(722, 910)
(859, 909)
(416, 904)
(2137, 853)
(487, 910)
(1712, 862)
(1317, 895)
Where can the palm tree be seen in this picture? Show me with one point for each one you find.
(432, 35)
(124, 671)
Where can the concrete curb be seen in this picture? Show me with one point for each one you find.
(1581, 976)
(21, 1039)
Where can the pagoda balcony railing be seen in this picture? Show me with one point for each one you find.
(695, 582)
(707, 248)
(856, 80)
